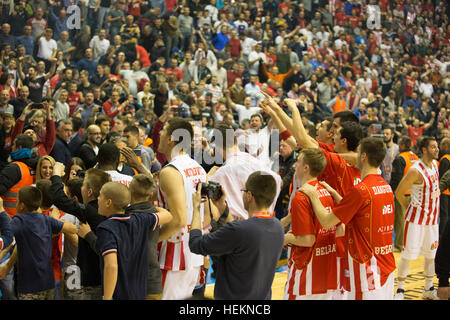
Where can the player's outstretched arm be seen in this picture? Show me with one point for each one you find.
(412, 176)
(172, 185)
(303, 138)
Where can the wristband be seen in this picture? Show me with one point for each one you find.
(285, 135)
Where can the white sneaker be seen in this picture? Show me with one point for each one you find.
(430, 294)
(400, 295)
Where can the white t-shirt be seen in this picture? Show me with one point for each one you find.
(233, 175)
(245, 113)
(133, 77)
(247, 45)
(119, 177)
(253, 69)
(46, 48)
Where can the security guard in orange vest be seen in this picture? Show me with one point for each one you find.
(338, 104)
(20, 172)
(400, 166)
(444, 165)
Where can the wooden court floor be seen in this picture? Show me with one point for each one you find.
(413, 285)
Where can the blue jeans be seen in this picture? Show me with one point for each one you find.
(7, 287)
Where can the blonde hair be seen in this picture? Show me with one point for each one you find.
(39, 165)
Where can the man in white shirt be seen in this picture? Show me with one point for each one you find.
(134, 76)
(247, 43)
(47, 45)
(253, 58)
(244, 111)
(233, 174)
(99, 45)
(426, 87)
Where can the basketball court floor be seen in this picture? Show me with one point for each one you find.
(413, 285)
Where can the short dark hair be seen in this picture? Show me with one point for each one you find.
(424, 142)
(180, 123)
(353, 132)
(108, 154)
(31, 197)
(74, 188)
(142, 186)
(263, 187)
(375, 149)
(77, 123)
(132, 129)
(346, 116)
(24, 141)
(95, 179)
(315, 159)
(102, 118)
(44, 186)
(405, 141)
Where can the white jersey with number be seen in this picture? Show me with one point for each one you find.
(424, 206)
(174, 253)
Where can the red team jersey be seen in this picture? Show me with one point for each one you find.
(339, 174)
(310, 267)
(368, 213)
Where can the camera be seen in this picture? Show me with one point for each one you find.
(211, 190)
(81, 173)
(36, 106)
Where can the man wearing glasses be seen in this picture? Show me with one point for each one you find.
(89, 150)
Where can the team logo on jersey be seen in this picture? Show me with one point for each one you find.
(356, 181)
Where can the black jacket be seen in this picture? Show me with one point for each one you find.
(398, 168)
(61, 152)
(87, 154)
(75, 144)
(87, 259)
(11, 175)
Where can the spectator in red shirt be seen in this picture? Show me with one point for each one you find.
(233, 74)
(235, 42)
(174, 70)
(112, 107)
(41, 126)
(418, 128)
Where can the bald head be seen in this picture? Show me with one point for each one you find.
(114, 198)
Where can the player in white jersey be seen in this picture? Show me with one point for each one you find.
(421, 233)
(178, 180)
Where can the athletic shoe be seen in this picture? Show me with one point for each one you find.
(400, 295)
(430, 294)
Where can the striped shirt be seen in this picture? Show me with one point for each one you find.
(424, 206)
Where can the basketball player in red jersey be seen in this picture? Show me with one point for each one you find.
(178, 181)
(421, 233)
(312, 273)
(367, 210)
(338, 173)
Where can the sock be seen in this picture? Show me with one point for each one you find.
(400, 286)
(429, 273)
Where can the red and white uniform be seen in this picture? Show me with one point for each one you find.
(342, 177)
(180, 267)
(368, 214)
(310, 274)
(421, 233)
(424, 206)
(174, 253)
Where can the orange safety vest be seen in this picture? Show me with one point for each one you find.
(409, 157)
(339, 105)
(445, 156)
(10, 197)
